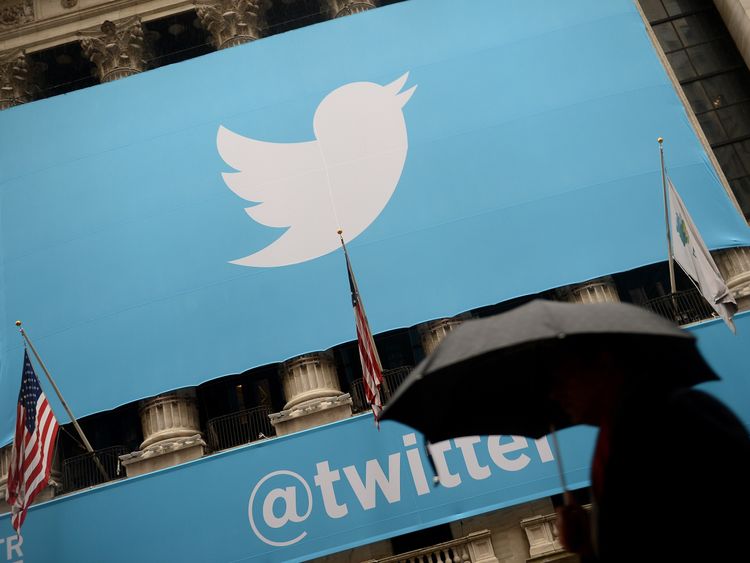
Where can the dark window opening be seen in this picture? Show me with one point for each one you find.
(177, 38)
(714, 77)
(63, 69)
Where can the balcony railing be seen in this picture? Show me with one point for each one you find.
(683, 307)
(89, 469)
(474, 548)
(239, 428)
(392, 378)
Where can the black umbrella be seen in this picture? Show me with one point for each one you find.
(492, 375)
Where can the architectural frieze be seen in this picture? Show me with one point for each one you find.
(15, 12)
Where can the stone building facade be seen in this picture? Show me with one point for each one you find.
(118, 39)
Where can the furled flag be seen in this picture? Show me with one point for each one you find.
(34, 442)
(690, 252)
(372, 372)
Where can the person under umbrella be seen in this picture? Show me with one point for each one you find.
(671, 464)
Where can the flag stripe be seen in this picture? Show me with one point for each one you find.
(34, 442)
(372, 371)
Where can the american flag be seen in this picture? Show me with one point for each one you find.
(372, 372)
(31, 457)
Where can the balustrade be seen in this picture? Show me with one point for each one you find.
(473, 548)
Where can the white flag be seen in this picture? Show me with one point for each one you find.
(690, 252)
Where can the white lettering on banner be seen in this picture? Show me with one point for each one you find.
(437, 451)
(13, 546)
(498, 451)
(290, 508)
(466, 445)
(280, 506)
(325, 478)
(289, 496)
(545, 452)
(391, 485)
(415, 465)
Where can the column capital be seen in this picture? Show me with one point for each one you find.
(118, 49)
(171, 433)
(309, 377)
(169, 416)
(433, 332)
(232, 22)
(598, 290)
(734, 265)
(341, 8)
(17, 79)
(313, 394)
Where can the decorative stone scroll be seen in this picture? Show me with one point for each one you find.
(15, 12)
(118, 50)
(17, 79)
(341, 8)
(232, 22)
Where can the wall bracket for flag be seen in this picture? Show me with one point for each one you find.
(85, 440)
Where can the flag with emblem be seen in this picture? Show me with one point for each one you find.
(691, 253)
(372, 372)
(33, 445)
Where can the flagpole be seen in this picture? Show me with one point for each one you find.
(672, 283)
(64, 404)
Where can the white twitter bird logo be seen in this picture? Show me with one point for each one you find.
(343, 179)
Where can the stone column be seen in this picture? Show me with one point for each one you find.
(313, 394)
(4, 466)
(340, 8)
(16, 79)
(171, 433)
(433, 332)
(599, 290)
(53, 485)
(736, 16)
(734, 265)
(232, 22)
(118, 49)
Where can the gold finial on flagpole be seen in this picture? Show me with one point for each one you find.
(18, 323)
(660, 140)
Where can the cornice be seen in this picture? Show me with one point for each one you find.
(65, 27)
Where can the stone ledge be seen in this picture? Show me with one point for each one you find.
(310, 407)
(163, 454)
(312, 413)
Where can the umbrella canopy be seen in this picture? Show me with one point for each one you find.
(492, 375)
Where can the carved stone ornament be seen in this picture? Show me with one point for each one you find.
(16, 12)
(232, 22)
(17, 84)
(341, 8)
(68, 3)
(118, 49)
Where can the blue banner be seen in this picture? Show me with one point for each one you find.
(327, 489)
(179, 225)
